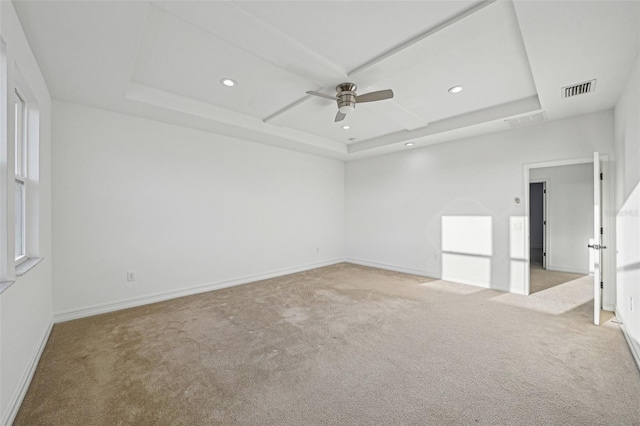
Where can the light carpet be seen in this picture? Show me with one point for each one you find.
(340, 345)
(543, 279)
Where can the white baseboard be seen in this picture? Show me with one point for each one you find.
(102, 308)
(19, 394)
(395, 268)
(633, 345)
(480, 284)
(569, 270)
(454, 279)
(424, 273)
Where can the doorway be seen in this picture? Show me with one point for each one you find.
(600, 259)
(537, 223)
(560, 223)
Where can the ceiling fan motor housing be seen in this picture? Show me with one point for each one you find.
(346, 97)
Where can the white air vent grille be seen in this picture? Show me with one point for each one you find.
(527, 120)
(578, 89)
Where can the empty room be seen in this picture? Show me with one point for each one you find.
(319, 212)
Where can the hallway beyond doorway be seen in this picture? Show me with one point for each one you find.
(542, 279)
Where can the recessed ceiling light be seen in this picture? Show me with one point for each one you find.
(228, 82)
(346, 127)
(455, 89)
(409, 144)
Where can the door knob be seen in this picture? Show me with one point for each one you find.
(596, 246)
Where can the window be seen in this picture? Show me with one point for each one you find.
(20, 111)
(20, 177)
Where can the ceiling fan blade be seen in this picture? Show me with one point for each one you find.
(339, 117)
(375, 96)
(322, 95)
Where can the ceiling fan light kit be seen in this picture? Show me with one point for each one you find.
(347, 98)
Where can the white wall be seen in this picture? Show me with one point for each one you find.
(627, 157)
(180, 207)
(570, 215)
(397, 204)
(25, 307)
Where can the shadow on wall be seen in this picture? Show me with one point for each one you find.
(467, 247)
(467, 250)
(518, 254)
(628, 267)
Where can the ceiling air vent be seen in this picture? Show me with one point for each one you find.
(527, 120)
(578, 89)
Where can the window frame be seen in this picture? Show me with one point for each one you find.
(21, 147)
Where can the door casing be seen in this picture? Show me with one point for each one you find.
(608, 259)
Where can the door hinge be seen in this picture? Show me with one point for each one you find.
(544, 222)
(600, 176)
(601, 284)
(544, 254)
(544, 191)
(601, 231)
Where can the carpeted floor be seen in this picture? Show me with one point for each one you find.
(543, 279)
(341, 345)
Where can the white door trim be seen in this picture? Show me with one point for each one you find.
(608, 261)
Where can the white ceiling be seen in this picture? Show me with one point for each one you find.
(164, 61)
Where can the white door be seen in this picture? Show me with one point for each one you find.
(595, 244)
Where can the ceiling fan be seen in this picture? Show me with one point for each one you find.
(347, 98)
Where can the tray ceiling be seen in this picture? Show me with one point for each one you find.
(165, 60)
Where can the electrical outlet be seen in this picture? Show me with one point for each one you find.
(631, 303)
(131, 276)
